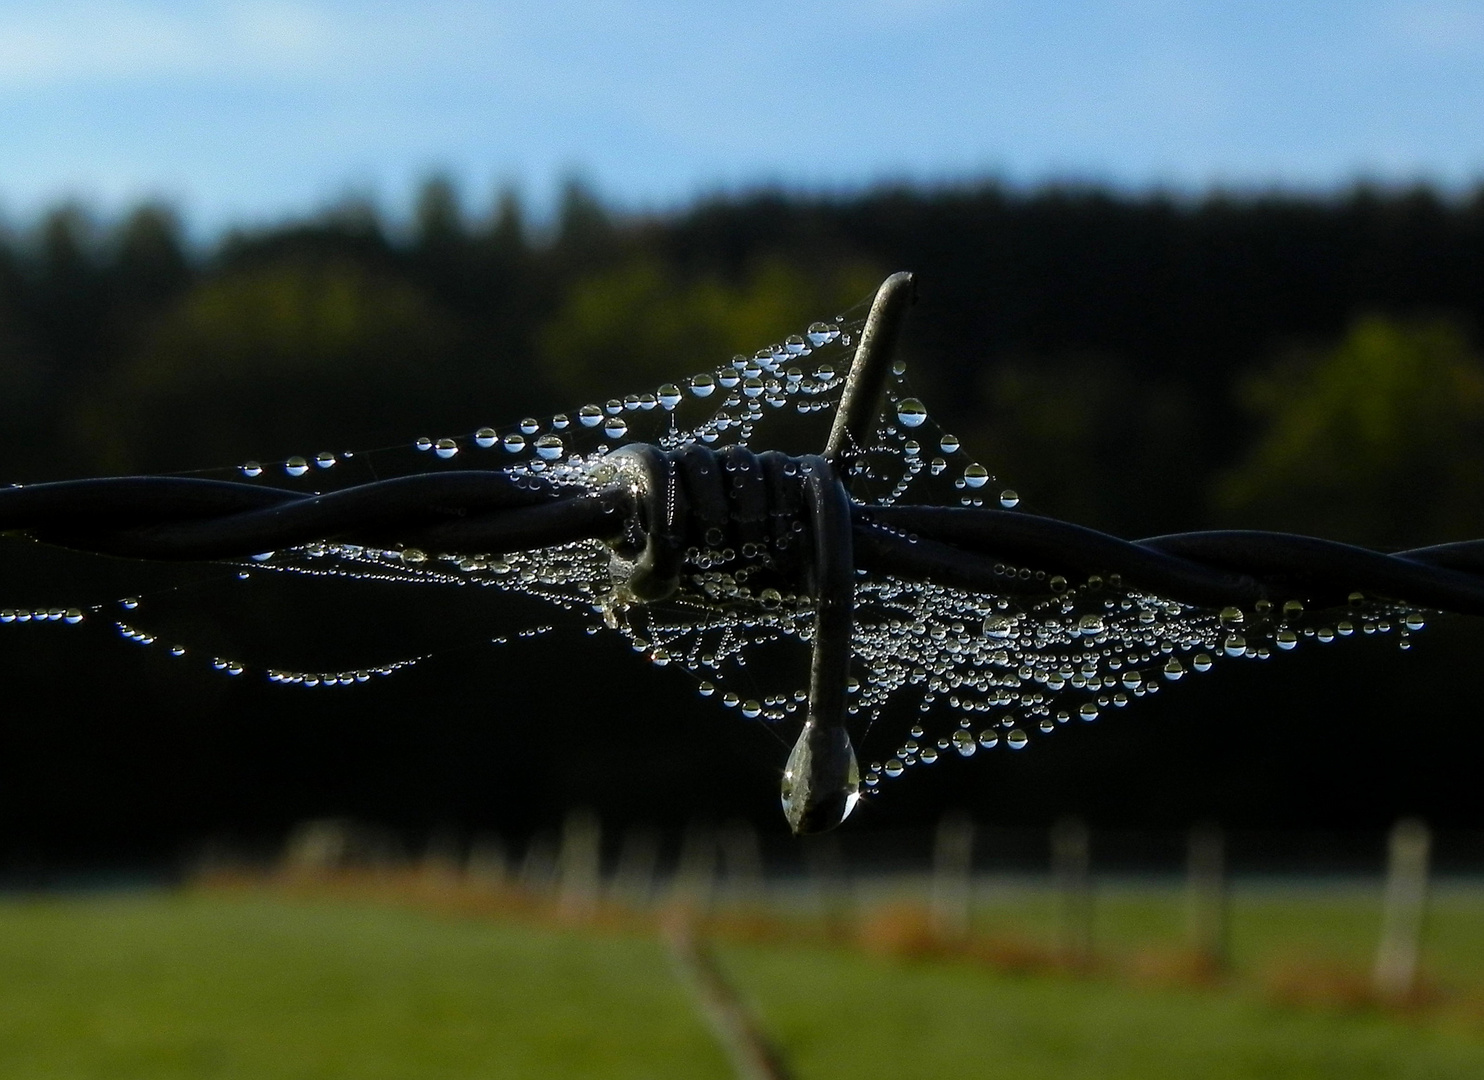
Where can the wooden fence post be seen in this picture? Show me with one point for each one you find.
(1206, 897)
(953, 880)
(1071, 858)
(1404, 910)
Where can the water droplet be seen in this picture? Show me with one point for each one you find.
(911, 412)
(1009, 498)
(529, 426)
(1231, 616)
(928, 755)
(976, 475)
(948, 444)
(296, 466)
(559, 422)
(1016, 739)
(73, 615)
(446, 448)
(669, 396)
(251, 468)
(590, 416)
(129, 603)
(485, 437)
(964, 743)
(989, 738)
(752, 387)
(893, 767)
(751, 708)
(324, 459)
(1201, 662)
(1285, 639)
(998, 626)
(1234, 645)
(414, 556)
(549, 447)
(1090, 625)
(616, 427)
(514, 443)
(1174, 669)
(423, 443)
(1088, 711)
(821, 333)
(1413, 621)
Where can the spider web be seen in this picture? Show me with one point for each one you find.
(964, 671)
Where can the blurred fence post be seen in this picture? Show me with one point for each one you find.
(824, 864)
(1071, 857)
(1206, 897)
(1404, 910)
(695, 874)
(953, 881)
(633, 879)
(578, 865)
(538, 865)
(742, 857)
(487, 864)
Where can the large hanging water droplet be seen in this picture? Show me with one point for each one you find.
(252, 468)
(976, 475)
(485, 437)
(702, 385)
(1016, 739)
(1009, 498)
(1090, 625)
(324, 459)
(911, 412)
(893, 767)
(549, 447)
(964, 743)
(514, 443)
(529, 426)
(948, 444)
(590, 415)
(423, 443)
(1234, 645)
(446, 448)
(296, 466)
(616, 427)
(668, 396)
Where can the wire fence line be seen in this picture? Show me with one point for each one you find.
(655, 508)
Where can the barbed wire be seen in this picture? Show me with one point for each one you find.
(656, 508)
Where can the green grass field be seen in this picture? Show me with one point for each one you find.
(254, 985)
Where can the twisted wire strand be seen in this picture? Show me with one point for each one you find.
(983, 550)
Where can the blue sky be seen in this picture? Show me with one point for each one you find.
(257, 110)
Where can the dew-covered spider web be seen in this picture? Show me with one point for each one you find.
(937, 669)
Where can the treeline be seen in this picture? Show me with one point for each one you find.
(1138, 363)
